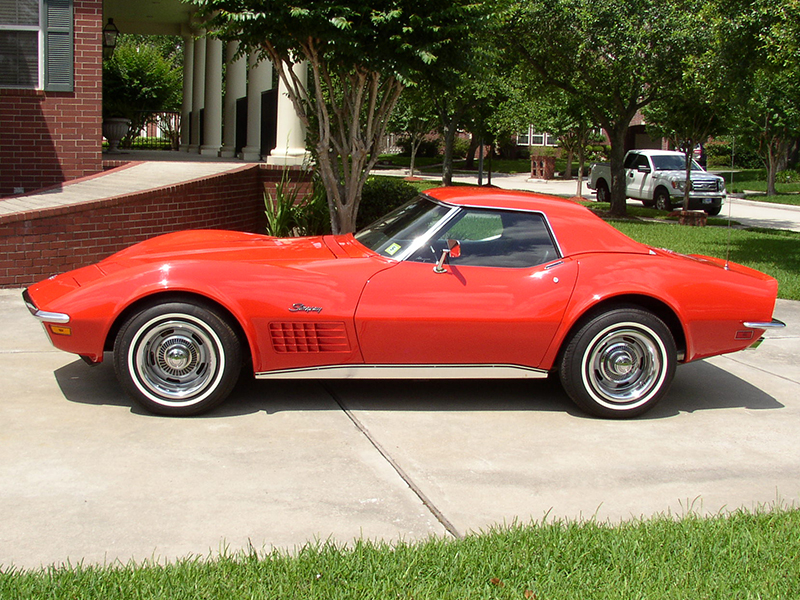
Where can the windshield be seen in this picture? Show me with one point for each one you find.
(404, 228)
(672, 162)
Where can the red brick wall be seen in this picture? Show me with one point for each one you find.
(38, 243)
(49, 137)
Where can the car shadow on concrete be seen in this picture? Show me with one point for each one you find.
(697, 386)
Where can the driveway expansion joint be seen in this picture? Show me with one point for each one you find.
(443, 520)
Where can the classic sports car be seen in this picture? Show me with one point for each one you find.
(458, 283)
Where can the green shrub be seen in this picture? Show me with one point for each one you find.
(718, 155)
(312, 215)
(427, 149)
(381, 195)
(288, 215)
(460, 147)
(788, 176)
(139, 81)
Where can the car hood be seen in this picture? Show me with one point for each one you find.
(218, 245)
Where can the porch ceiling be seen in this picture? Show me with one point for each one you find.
(156, 17)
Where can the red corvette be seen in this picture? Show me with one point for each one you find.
(459, 283)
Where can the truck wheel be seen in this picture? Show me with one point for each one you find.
(713, 211)
(662, 199)
(603, 195)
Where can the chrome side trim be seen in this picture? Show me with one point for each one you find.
(407, 372)
(44, 316)
(774, 324)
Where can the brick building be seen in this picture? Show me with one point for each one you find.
(51, 91)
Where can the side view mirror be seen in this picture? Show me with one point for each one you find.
(453, 249)
(643, 169)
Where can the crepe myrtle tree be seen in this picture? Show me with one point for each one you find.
(361, 54)
(614, 57)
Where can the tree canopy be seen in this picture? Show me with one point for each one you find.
(361, 54)
(614, 57)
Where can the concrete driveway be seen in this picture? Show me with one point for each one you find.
(84, 476)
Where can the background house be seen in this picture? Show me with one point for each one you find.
(51, 90)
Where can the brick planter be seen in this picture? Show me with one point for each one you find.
(696, 218)
(543, 167)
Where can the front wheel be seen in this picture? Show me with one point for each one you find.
(177, 358)
(713, 211)
(662, 200)
(619, 363)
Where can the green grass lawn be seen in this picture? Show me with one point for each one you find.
(755, 180)
(741, 555)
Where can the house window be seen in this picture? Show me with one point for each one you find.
(531, 137)
(36, 48)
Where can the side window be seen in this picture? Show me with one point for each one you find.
(630, 161)
(488, 238)
(641, 162)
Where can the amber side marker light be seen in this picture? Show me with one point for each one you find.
(60, 329)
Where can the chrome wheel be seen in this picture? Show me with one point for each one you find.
(619, 363)
(177, 358)
(624, 366)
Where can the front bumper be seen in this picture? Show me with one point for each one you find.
(44, 316)
(699, 202)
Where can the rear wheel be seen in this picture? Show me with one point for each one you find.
(619, 363)
(177, 358)
(603, 194)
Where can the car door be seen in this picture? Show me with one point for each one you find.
(636, 177)
(500, 302)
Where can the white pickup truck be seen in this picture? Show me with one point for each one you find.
(657, 178)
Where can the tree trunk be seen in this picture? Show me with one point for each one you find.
(581, 161)
(772, 169)
(416, 141)
(473, 148)
(687, 183)
(618, 192)
(568, 171)
(449, 138)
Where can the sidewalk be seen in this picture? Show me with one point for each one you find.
(139, 176)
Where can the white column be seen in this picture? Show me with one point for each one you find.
(186, 106)
(212, 125)
(259, 80)
(235, 88)
(198, 92)
(290, 139)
